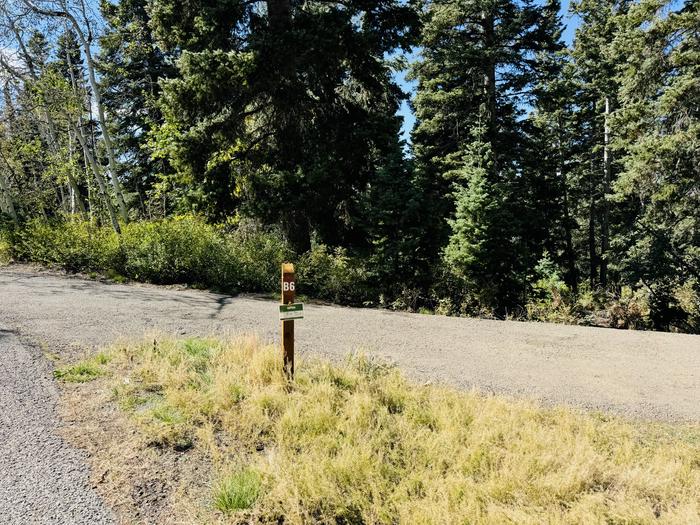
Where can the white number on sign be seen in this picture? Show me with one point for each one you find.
(288, 286)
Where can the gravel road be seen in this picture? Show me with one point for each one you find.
(42, 479)
(644, 375)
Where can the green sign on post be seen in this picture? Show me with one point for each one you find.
(291, 311)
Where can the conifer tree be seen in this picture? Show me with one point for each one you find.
(477, 74)
(659, 145)
(597, 99)
(285, 113)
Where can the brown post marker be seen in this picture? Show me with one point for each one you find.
(288, 295)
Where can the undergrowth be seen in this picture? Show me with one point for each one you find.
(5, 248)
(185, 250)
(359, 443)
(246, 257)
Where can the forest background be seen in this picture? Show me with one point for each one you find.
(547, 177)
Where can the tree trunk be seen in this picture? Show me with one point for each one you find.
(605, 221)
(298, 231)
(570, 253)
(98, 176)
(76, 199)
(6, 203)
(592, 255)
(279, 13)
(49, 131)
(106, 136)
(86, 41)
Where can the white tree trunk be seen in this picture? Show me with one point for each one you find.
(98, 176)
(6, 203)
(86, 41)
(605, 223)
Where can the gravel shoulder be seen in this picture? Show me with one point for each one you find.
(44, 480)
(645, 375)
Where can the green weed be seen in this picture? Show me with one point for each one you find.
(238, 491)
(79, 373)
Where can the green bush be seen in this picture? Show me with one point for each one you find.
(71, 245)
(184, 250)
(259, 254)
(5, 246)
(179, 250)
(550, 297)
(630, 309)
(333, 275)
(687, 295)
(452, 294)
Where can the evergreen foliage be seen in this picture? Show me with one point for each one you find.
(556, 182)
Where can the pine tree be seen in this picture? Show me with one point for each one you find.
(659, 145)
(553, 144)
(285, 114)
(476, 77)
(597, 98)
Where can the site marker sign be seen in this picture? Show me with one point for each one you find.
(291, 311)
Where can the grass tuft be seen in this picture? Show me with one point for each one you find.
(79, 373)
(359, 443)
(84, 371)
(238, 491)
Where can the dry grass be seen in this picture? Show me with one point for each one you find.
(358, 443)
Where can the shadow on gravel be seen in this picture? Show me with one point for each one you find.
(7, 333)
(43, 286)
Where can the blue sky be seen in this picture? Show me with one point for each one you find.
(409, 119)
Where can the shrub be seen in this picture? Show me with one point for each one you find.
(180, 250)
(550, 296)
(452, 294)
(630, 309)
(259, 254)
(183, 249)
(5, 246)
(333, 275)
(71, 245)
(687, 296)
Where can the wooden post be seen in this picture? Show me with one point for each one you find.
(288, 295)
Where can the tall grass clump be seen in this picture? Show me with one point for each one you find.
(358, 443)
(237, 491)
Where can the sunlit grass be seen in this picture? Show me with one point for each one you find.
(358, 443)
(237, 491)
(84, 371)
